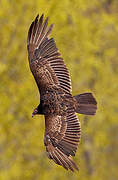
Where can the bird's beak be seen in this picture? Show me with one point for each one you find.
(32, 115)
(34, 112)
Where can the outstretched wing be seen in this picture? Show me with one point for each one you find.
(45, 61)
(62, 135)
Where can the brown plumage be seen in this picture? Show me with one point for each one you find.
(62, 128)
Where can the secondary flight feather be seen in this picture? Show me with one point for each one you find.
(62, 127)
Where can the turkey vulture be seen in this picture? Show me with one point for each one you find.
(62, 127)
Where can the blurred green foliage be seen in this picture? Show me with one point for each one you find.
(86, 33)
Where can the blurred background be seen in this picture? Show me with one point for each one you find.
(86, 33)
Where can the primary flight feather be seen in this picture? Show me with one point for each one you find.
(62, 127)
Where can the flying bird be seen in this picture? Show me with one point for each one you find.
(57, 104)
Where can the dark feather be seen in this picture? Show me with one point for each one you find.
(62, 128)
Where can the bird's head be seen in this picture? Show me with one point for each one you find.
(35, 112)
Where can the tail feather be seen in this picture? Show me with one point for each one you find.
(86, 104)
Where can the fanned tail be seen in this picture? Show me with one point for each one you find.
(86, 104)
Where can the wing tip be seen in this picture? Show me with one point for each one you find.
(74, 164)
(42, 33)
(60, 158)
(37, 17)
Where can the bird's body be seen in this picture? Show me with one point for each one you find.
(62, 128)
(55, 101)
